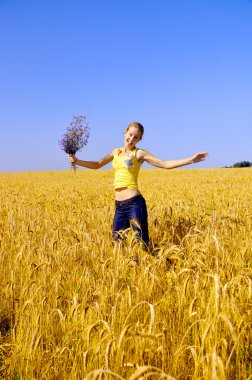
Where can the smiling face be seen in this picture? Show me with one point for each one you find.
(132, 135)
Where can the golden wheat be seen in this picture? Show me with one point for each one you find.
(74, 306)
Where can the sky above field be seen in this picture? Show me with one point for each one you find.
(181, 68)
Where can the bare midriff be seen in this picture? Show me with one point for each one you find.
(123, 193)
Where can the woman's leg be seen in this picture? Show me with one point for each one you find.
(121, 221)
(138, 215)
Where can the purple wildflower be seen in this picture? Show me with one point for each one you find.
(76, 137)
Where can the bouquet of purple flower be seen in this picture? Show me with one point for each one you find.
(76, 137)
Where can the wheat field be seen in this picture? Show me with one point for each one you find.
(74, 306)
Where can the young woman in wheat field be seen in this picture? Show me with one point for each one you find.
(130, 205)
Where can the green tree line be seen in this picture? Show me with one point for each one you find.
(241, 164)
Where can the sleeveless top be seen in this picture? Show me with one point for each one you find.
(126, 169)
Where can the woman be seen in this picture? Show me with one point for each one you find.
(130, 204)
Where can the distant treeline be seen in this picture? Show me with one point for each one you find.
(241, 164)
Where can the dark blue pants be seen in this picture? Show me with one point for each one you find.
(132, 211)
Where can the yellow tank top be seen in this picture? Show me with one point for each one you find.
(126, 169)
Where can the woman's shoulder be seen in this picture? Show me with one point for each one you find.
(140, 153)
(140, 150)
(116, 151)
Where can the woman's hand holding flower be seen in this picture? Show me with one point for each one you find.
(72, 159)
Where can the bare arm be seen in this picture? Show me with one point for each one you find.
(155, 161)
(92, 164)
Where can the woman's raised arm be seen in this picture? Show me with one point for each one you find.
(155, 161)
(91, 164)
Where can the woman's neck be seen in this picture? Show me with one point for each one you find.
(128, 150)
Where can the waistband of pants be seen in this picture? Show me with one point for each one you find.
(129, 201)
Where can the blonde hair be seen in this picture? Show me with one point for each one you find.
(137, 125)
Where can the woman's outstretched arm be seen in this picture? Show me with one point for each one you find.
(172, 164)
(91, 164)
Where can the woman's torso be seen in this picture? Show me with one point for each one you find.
(126, 173)
(123, 193)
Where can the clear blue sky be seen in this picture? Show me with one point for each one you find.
(181, 68)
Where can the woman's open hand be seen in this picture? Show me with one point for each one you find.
(200, 156)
